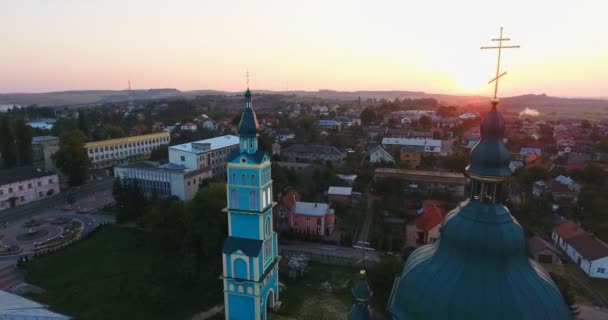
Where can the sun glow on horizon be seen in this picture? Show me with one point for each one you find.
(345, 45)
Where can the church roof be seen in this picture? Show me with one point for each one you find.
(258, 156)
(250, 247)
(478, 269)
(248, 126)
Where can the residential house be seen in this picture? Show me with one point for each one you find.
(209, 125)
(425, 181)
(542, 251)
(589, 253)
(309, 217)
(525, 151)
(428, 222)
(285, 135)
(375, 131)
(378, 155)
(313, 154)
(577, 161)
(340, 194)
(22, 185)
(562, 188)
(328, 125)
(422, 145)
(189, 126)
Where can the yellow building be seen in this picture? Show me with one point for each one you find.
(108, 153)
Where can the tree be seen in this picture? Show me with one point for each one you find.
(72, 158)
(585, 124)
(425, 122)
(160, 153)
(7, 144)
(368, 116)
(130, 200)
(447, 111)
(382, 276)
(565, 288)
(454, 162)
(82, 123)
(63, 126)
(23, 142)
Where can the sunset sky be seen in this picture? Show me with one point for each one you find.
(431, 46)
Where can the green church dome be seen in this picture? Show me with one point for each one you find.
(478, 269)
(490, 157)
(248, 126)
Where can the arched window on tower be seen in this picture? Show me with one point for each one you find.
(244, 179)
(253, 200)
(234, 199)
(233, 181)
(253, 182)
(264, 203)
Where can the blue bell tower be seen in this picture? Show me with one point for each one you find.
(251, 283)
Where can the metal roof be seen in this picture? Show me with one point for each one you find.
(412, 142)
(311, 208)
(215, 144)
(14, 307)
(340, 191)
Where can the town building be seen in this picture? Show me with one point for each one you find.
(201, 154)
(328, 125)
(340, 194)
(542, 251)
(304, 217)
(588, 253)
(210, 125)
(423, 145)
(112, 152)
(43, 147)
(428, 222)
(481, 250)
(249, 256)
(378, 155)
(22, 185)
(313, 154)
(562, 188)
(189, 126)
(425, 181)
(164, 180)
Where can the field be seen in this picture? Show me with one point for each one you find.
(120, 274)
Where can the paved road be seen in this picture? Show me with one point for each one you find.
(95, 187)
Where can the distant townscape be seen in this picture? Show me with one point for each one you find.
(339, 185)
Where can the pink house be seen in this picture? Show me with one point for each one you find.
(312, 217)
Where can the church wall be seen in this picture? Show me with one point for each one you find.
(245, 225)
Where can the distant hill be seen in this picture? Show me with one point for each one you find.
(548, 106)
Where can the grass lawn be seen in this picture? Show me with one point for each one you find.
(304, 299)
(119, 274)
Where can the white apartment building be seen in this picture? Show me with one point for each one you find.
(26, 184)
(422, 145)
(108, 153)
(164, 180)
(201, 154)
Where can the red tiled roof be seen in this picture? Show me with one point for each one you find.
(531, 158)
(535, 145)
(568, 229)
(589, 247)
(432, 216)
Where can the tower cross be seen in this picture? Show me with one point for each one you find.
(500, 46)
(247, 77)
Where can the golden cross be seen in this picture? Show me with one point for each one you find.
(247, 76)
(500, 46)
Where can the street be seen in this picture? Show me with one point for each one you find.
(91, 189)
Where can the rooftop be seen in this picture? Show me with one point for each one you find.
(568, 229)
(214, 144)
(340, 191)
(22, 173)
(316, 149)
(40, 139)
(13, 306)
(420, 174)
(412, 142)
(311, 208)
(589, 247)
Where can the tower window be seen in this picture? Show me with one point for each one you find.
(233, 178)
(253, 200)
(243, 179)
(253, 182)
